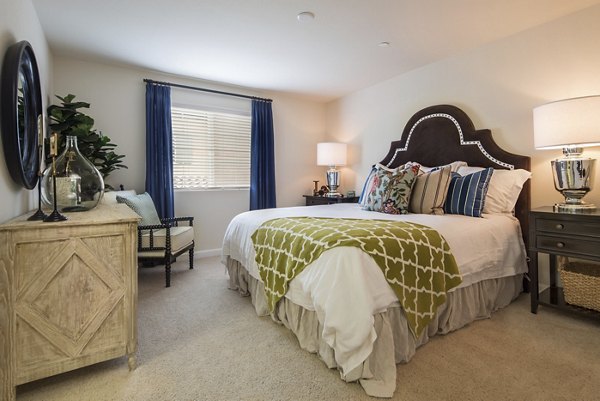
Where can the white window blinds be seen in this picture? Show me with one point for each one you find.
(211, 150)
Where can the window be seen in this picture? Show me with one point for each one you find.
(211, 150)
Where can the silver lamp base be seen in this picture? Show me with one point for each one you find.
(573, 177)
(570, 208)
(333, 182)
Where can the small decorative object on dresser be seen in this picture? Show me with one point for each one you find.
(39, 214)
(79, 185)
(562, 235)
(328, 200)
(55, 215)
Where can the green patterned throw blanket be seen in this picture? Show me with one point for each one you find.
(415, 259)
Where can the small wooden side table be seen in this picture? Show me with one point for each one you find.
(312, 200)
(558, 233)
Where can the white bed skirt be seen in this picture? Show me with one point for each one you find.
(395, 342)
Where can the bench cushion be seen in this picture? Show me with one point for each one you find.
(181, 237)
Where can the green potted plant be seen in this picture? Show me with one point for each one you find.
(67, 120)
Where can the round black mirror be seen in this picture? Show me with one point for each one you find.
(21, 113)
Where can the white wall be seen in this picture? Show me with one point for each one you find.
(19, 21)
(117, 97)
(497, 85)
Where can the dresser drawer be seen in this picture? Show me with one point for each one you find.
(569, 227)
(567, 245)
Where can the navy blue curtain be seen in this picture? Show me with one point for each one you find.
(262, 157)
(159, 149)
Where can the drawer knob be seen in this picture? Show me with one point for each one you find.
(560, 244)
(560, 226)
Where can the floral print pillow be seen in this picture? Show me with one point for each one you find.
(390, 189)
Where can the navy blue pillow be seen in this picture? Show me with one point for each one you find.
(466, 195)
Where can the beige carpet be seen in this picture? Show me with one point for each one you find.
(200, 341)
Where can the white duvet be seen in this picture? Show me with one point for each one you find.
(345, 287)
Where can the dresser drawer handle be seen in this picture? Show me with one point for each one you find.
(560, 226)
(560, 244)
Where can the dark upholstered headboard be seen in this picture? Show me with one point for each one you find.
(442, 134)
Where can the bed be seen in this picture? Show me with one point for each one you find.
(342, 308)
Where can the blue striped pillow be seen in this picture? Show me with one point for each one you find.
(367, 187)
(466, 194)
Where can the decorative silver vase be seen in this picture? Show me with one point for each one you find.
(79, 185)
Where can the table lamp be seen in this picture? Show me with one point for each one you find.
(332, 154)
(570, 124)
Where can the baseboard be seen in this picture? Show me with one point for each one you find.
(207, 253)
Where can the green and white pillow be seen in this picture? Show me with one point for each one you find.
(143, 205)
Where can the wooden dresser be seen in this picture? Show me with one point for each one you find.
(68, 294)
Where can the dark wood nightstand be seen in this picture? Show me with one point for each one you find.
(556, 233)
(312, 200)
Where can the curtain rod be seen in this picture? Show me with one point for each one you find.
(206, 90)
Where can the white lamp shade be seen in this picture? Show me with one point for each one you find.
(331, 154)
(567, 122)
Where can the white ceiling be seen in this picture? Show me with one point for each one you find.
(260, 44)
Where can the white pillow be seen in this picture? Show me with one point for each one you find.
(110, 197)
(454, 167)
(504, 189)
(466, 170)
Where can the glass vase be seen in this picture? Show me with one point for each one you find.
(79, 185)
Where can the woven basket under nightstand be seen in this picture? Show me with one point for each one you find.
(581, 284)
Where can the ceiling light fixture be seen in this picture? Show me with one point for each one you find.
(384, 44)
(305, 16)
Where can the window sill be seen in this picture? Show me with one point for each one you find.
(210, 189)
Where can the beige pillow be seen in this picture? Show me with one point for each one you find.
(504, 189)
(429, 191)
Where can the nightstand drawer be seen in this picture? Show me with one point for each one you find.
(312, 200)
(568, 227)
(567, 245)
(319, 200)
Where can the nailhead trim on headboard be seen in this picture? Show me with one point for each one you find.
(462, 141)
